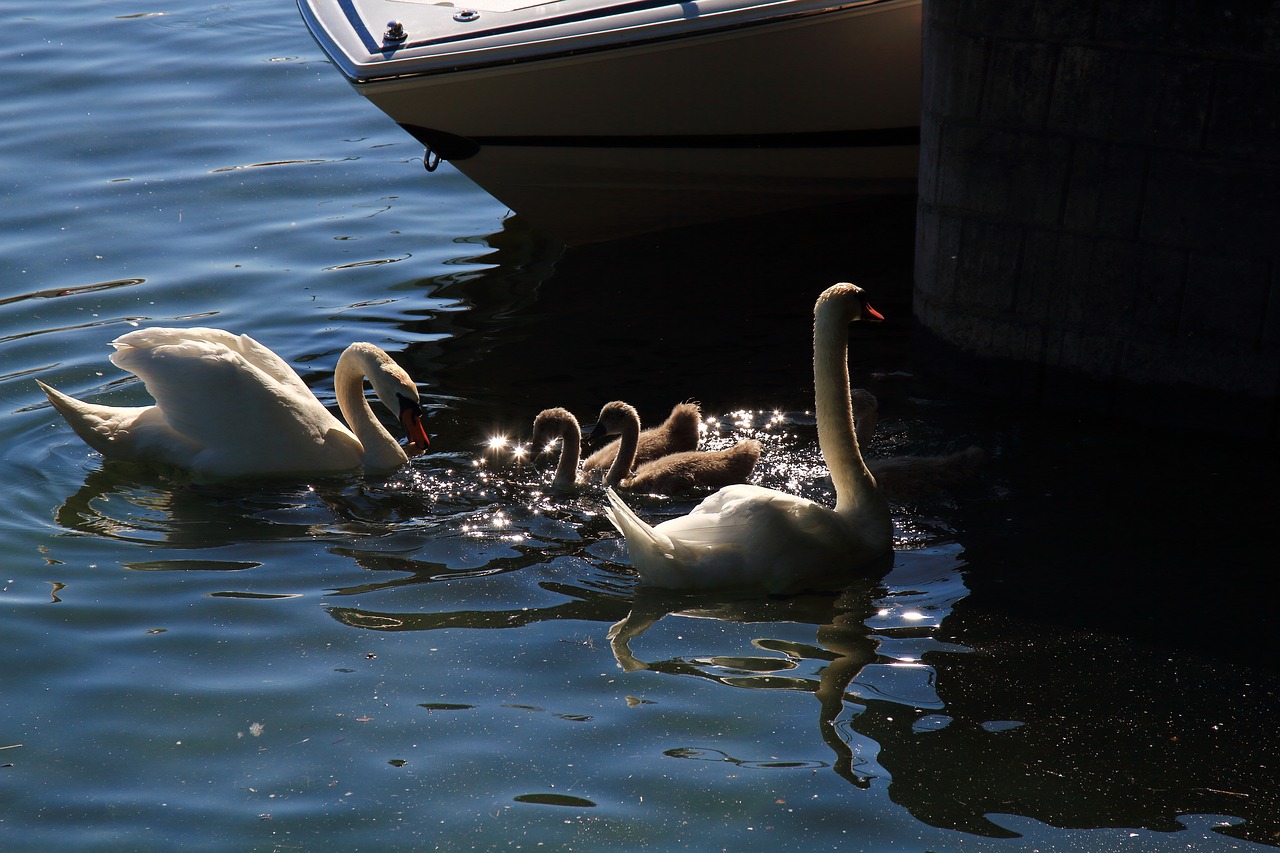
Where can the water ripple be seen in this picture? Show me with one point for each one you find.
(269, 163)
(57, 292)
(370, 263)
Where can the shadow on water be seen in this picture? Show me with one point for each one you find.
(1115, 624)
(662, 319)
(1156, 534)
(1081, 730)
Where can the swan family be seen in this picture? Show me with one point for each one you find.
(228, 407)
(660, 459)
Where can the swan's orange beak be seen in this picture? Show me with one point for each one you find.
(411, 417)
(869, 313)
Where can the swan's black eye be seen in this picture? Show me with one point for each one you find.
(407, 405)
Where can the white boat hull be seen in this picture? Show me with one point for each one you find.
(791, 109)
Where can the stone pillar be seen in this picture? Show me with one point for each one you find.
(1099, 214)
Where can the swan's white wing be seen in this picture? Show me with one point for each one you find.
(745, 512)
(747, 535)
(248, 409)
(246, 347)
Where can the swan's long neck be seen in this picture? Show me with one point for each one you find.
(626, 458)
(381, 450)
(570, 452)
(834, 409)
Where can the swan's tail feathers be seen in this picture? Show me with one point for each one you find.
(644, 544)
(61, 402)
(624, 517)
(96, 425)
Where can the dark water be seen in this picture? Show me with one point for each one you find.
(1075, 651)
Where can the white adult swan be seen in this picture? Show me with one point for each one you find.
(678, 433)
(749, 536)
(558, 423)
(674, 472)
(226, 406)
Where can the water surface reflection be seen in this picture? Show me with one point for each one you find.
(452, 640)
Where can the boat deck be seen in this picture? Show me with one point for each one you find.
(439, 36)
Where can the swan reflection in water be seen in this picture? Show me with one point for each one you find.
(863, 634)
(146, 505)
(843, 641)
(134, 503)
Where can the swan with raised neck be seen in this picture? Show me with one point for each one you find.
(749, 536)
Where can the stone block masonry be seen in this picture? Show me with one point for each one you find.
(1099, 211)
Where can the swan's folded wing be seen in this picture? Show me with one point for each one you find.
(208, 391)
(264, 359)
(249, 349)
(742, 513)
(750, 535)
